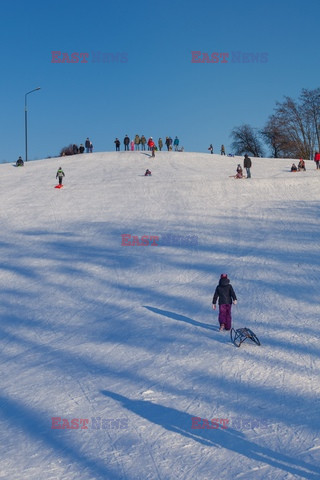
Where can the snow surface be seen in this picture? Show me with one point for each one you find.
(92, 329)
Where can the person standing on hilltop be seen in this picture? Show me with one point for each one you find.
(152, 146)
(126, 142)
(222, 152)
(117, 143)
(87, 145)
(247, 165)
(143, 142)
(137, 142)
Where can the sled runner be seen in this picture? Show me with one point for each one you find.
(241, 334)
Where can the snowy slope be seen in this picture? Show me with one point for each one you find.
(124, 337)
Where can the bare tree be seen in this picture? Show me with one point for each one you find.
(311, 105)
(245, 140)
(275, 136)
(296, 127)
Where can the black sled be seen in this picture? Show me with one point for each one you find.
(241, 334)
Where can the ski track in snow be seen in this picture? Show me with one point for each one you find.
(90, 328)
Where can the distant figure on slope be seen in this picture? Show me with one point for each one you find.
(19, 162)
(317, 160)
(126, 142)
(87, 145)
(239, 173)
(294, 168)
(223, 152)
(225, 293)
(151, 146)
(148, 173)
(81, 148)
(117, 143)
(160, 143)
(143, 142)
(176, 143)
(211, 148)
(60, 175)
(247, 164)
(301, 165)
(137, 142)
(75, 149)
(90, 147)
(132, 145)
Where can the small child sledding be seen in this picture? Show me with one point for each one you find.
(239, 173)
(148, 173)
(225, 293)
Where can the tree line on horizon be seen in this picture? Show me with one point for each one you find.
(292, 131)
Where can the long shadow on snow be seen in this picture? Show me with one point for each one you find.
(181, 318)
(179, 423)
(34, 425)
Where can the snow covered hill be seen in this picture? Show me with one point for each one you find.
(110, 354)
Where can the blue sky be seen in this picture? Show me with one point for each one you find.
(158, 91)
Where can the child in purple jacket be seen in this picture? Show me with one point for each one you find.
(226, 295)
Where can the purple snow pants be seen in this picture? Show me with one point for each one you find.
(225, 316)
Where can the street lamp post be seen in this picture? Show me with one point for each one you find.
(26, 120)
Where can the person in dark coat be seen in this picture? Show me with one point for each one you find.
(81, 148)
(19, 162)
(247, 164)
(75, 149)
(126, 142)
(87, 145)
(117, 142)
(225, 293)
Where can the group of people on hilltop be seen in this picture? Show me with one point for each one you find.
(141, 143)
(222, 149)
(88, 147)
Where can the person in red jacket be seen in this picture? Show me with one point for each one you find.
(151, 145)
(317, 160)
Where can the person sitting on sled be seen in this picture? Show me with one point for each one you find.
(225, 293)
(148, 173)
(294, 168)
(239, 171)
(19, 162)
(301, 165)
